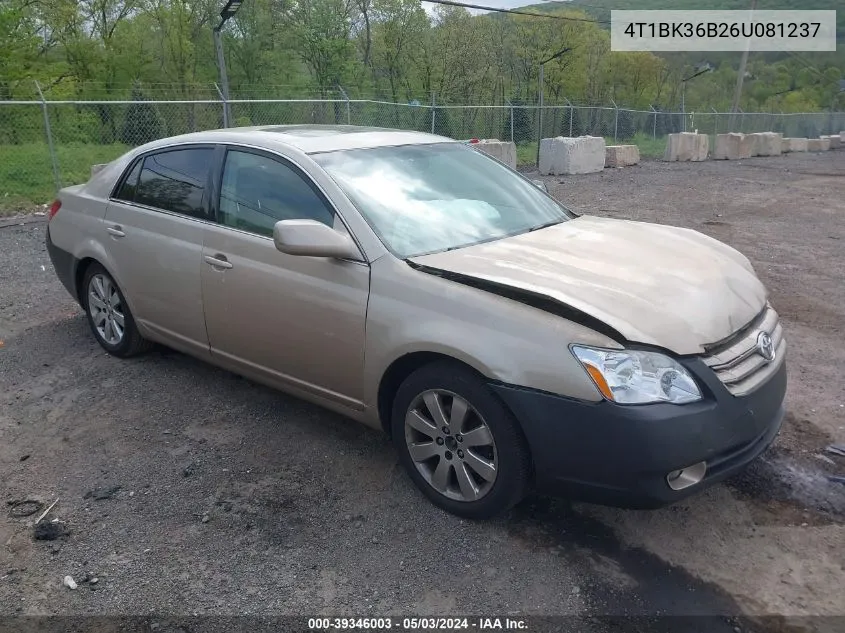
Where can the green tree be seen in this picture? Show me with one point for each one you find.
(142, 122)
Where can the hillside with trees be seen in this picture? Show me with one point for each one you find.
(387, 49)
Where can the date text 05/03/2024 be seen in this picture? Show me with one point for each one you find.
(419, 624)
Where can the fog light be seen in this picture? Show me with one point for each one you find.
(686, 477)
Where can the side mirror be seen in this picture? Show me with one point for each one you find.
(541, 184)
(313, 239)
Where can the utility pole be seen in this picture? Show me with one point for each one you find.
(229, 10)
(224, 76)
(684, 93)
(743, 62)
(540, 98)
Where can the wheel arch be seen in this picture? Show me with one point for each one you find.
(400, 369)
(85, 262)
(79, 276)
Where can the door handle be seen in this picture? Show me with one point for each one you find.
(218, 261)
(115, 230)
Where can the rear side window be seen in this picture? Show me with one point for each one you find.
(173, 181)
(130, 183)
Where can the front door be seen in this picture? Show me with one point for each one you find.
(297, 321)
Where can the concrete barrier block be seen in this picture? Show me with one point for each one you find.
(818, 145)
(687, 146)
(794, 144)
(767, 144)
(621, 155)
(733, 146)
(835, 141)
(563, 155)
(504, 151)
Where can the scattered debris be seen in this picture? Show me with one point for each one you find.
(101, 494)
(836, 449)
(50, 531)
(24, 508)
(69, 582)
(824, 458)
(188, 470)
(46, 512)
(25, 457)
(836, 479)
(206, 518)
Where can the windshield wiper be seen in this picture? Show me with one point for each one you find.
(544, 225)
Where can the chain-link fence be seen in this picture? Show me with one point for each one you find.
(45, 145)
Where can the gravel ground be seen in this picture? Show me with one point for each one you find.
(229, 498)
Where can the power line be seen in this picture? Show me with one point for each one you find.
(466, 5)
(806, 64)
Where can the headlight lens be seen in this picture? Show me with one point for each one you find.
(635, 377)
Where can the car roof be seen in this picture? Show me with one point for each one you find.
(310, 139)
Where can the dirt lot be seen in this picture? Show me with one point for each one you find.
(234, 499)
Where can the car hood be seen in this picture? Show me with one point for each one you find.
(660, 285)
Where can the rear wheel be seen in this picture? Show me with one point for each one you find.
(458, 442)
(109, 315)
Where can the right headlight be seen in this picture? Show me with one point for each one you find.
(637, 377)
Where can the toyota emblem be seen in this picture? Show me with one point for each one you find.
(766, 346)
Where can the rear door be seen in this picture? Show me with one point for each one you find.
(155, 225)
(295, 321)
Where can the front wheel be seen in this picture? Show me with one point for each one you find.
(459, 443)
(109, 315)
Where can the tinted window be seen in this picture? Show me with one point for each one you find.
(127, 189)
(175, 180)
(258, 191)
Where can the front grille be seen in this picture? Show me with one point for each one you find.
(740, 365)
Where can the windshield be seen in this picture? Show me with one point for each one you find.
(427, 198)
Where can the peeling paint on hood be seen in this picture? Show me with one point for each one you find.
(659, 285)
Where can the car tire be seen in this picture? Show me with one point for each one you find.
(105, 306)
(481, 409)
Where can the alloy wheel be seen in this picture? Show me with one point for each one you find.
(451, 445)
(106, 309)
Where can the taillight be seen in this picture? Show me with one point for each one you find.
(54, 209)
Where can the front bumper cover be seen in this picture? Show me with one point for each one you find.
(620, 455)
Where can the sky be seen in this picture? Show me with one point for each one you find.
(501, 4)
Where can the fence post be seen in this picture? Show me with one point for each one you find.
(571, 116)
(654, 128)
(511, 107)
(346, 98)
(715, 121)
(433, 113)
(225, 106)
(49, 133)
(615, 121)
